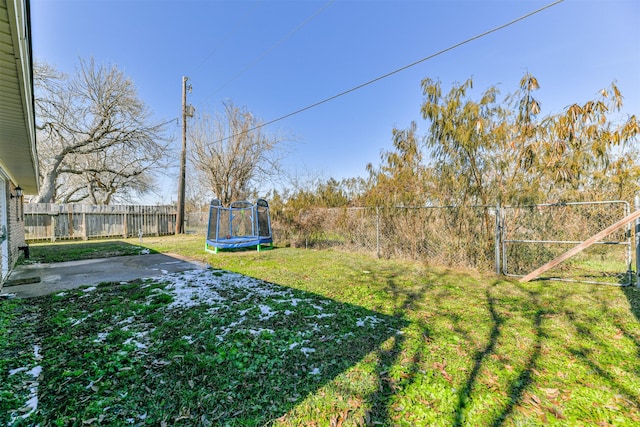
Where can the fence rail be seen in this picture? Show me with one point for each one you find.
(534, 235)
(480, 237)
(48, 221)
(455, 236)
(508, 240)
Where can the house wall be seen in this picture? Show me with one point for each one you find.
(15, 217)
(4, 246)
(18, 154)
(12, 219)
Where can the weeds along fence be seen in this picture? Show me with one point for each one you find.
(460, 236)
(48, 221)
(508, 240)
(456, 236)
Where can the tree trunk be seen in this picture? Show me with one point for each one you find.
(48, 188)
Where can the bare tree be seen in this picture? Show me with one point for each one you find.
(231, 154)
(96, 141)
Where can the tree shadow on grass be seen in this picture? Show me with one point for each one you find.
(247, 357)
(587, 349)
(410, 353)
(591, 357)
(632, 293)
(259, 372)
(633, 296)
(465, 393)
(516, 388)
(404, 300)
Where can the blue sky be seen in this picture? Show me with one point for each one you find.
(275, 57)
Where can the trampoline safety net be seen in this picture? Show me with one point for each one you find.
(242, 224)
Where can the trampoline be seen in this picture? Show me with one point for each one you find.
(242, 224)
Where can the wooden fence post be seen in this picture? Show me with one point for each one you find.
(125, 225)
(85, 234)
(53, 227)
(96, 221)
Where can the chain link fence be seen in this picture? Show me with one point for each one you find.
(196, 222)
(452, 236)
(509, 240)
(535, 235)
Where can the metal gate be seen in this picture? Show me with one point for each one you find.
(530, 236)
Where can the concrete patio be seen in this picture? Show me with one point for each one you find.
(33, 280)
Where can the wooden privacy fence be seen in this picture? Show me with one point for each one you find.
(49, 221)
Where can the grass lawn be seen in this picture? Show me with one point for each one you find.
(293, 337)
(73, 251)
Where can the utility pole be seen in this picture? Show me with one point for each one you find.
(187, 111)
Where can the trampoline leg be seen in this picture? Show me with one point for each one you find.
(215, 250)
(258, 248)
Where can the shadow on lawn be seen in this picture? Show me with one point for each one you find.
(408, 360)
(632, 394)
(224, 371)
(537, 309)
(246, 379)
(632, 293)
(413, 354)
(588, 354)
(404, 300)
(517, 387)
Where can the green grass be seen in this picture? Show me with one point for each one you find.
(603, 264)
(19, 354)
(72, 251)
(325, 338)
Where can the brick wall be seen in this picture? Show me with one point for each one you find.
(15, 217)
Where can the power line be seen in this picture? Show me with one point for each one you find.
(384, 76)
(270, 49)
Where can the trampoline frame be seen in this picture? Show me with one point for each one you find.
(252, 226)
